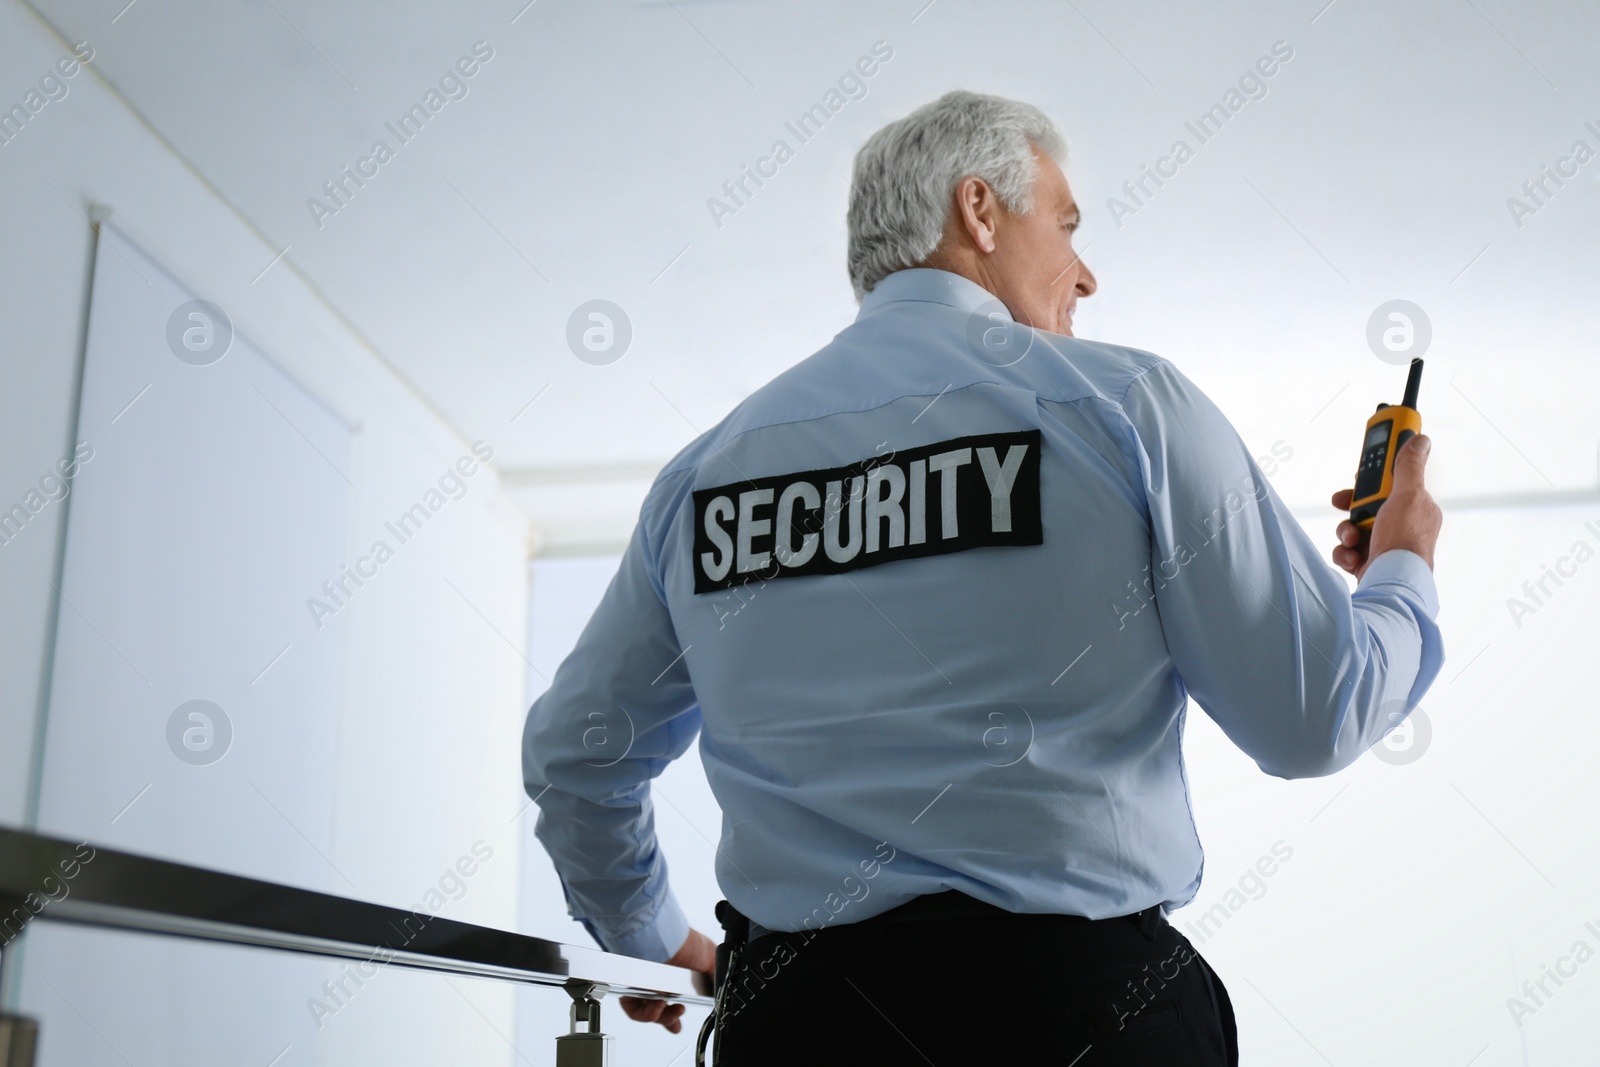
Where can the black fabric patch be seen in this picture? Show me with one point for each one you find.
(967, 492)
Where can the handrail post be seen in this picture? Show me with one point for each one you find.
(19, 1038)
(19, 1035)
(582, 1048)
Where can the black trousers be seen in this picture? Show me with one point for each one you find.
(949, 980)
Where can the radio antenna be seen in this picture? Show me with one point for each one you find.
(1413, 382)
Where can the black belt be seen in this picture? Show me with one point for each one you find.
(953, 904)
(930, 907)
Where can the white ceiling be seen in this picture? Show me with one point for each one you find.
(579, 165)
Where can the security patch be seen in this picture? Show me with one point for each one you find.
(967, 492)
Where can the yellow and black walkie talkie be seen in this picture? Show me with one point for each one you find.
(1392, 426)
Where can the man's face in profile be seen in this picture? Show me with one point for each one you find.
(1039, 276)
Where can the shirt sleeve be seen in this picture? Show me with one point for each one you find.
(1301, 673)
(619, 709)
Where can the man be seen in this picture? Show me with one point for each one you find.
(934, 599)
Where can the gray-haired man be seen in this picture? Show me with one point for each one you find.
(934, 600)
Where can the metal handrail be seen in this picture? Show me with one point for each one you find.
(141, 894)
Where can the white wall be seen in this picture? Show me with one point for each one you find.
(42, 304)
(431, 667)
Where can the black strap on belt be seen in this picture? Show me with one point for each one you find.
(736, 928)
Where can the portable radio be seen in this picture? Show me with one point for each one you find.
(1392, 426)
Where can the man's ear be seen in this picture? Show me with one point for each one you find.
(977, 211)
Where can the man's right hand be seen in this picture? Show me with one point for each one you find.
(699, 955)
(1408, 519)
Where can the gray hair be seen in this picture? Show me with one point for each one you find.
(906, 173)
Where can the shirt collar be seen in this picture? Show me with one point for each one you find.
(928, 285)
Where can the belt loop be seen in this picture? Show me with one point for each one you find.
(1149, 921)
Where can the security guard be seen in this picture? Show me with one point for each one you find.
(933, 601)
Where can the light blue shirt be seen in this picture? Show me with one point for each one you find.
(960, 579)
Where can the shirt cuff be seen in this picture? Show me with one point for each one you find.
(657, 940)
(1404, 569)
